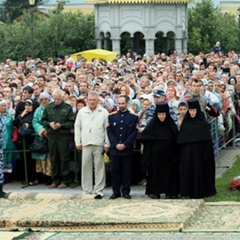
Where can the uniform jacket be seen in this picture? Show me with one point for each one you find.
(62, 114)
(90, 128)
(122, 129)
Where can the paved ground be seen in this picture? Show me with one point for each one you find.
(198, 228)
(117, 236)
(227, 157)
(225, 160)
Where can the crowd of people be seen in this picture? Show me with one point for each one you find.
(154, 109)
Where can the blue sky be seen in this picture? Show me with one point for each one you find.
(216, 2)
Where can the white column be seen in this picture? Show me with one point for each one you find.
(149, 46)
(116, 45)
(99, 43)
(185, 45)
(178, 45)
(106, 43)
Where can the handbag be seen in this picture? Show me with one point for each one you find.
(15, 134)
(39, 145)
(23, 131)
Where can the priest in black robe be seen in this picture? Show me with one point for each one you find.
(160, 154)
(196, 156)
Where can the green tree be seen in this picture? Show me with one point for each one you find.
(12, 9)
(207, 25)
(64, 33)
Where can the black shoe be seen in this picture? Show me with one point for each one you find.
(127, 196)
(187, 197)
(48, 183)
(2, 193)
(154, 196)
(98, 196)
(114, 196)
(171, 197)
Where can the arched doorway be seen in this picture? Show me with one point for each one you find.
(138, 43)
(126, 42)
(100, 40)
(107, 41)
(165, 44)
(171, 43)
(158, 42)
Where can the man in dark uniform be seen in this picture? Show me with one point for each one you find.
(58, 120)
(122, 131)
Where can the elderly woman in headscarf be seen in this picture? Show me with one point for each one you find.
(197, 164)
(173, 103)
(160, 154)
(6, 120)
(109, 105)
(43, 162)
(136, 106)
(186, 95)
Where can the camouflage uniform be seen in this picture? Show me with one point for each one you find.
(151, 111)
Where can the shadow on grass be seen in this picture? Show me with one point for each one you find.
(222, 185)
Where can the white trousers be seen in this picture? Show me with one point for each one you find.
(92, 159)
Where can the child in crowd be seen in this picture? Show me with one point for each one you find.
(182, 109)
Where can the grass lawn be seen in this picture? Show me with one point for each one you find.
(222, 184)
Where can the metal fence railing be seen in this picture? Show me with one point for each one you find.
(24, 150)
(225, 131)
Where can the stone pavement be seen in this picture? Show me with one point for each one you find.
(225, 160)
(116, 236)
(54, 211)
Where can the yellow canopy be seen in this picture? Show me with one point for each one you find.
(96, 53)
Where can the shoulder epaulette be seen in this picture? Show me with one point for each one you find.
(132, 112)
(113, 113)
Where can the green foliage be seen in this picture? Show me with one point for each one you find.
(222, 185)
(71, 32)
(206, 26)
(64, 33)
(13, 9)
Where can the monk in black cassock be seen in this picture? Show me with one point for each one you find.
(197, 164)
(159, 154)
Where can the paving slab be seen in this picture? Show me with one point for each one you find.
(116, 236)
(54, 211)
(226, 159)
(101, 215)
(216, 217)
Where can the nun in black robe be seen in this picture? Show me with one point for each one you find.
(197, 163)
(160, 154)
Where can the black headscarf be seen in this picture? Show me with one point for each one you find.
(157, 130)
(194, 129)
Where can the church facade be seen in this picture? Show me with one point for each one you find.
(148, 17)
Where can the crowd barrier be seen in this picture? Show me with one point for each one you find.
(225, 129)
(225, 133)
(25, 150)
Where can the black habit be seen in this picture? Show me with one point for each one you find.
(197, 163)
(160, 154)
